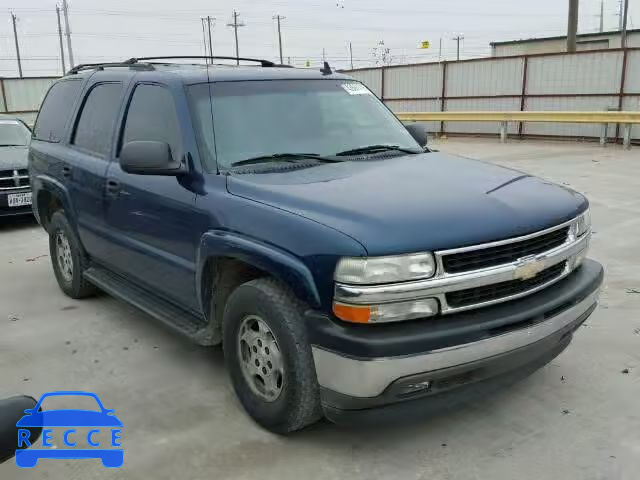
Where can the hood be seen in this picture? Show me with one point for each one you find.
(13, 157)
(432, 201)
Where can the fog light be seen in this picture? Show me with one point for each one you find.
(387, 312)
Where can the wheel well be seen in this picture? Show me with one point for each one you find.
(221, 276)
(47, 204)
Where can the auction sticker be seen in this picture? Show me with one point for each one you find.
(355, 88)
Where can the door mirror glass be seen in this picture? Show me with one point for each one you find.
(146, 157)
(419, 133)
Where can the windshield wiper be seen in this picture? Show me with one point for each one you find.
(12, 145)
(286, 157)
(375, 149)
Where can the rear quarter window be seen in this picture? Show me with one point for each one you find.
(56, 110)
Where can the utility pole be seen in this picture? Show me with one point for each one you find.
(15, 37)
(210, 42)
(620, 13)
(572, 26)
(64, 68)
(601, 16)
(351, 54)
(204, 40)
(235, 26)
(278, 18)
(65, 11)
(440, 51)
(625, 15)
(324, 56)
(457, 39)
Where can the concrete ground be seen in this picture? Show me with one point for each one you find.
(578, 418)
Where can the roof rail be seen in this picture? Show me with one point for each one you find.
(101, 66)
(264, 63)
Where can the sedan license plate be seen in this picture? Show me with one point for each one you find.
(19, 199)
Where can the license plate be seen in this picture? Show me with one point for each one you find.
(19, 199)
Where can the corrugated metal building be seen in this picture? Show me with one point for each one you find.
(585, 41)
(583, 81)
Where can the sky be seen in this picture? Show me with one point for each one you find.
(119, 29)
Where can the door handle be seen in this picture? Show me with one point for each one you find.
(66, 171)
(113, 186)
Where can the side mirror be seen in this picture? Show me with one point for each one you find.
(149, 158)
(419, 133)
(11, 410)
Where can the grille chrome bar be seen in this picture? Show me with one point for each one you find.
(444, 282)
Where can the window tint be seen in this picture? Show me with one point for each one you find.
(56, 110)
(98, 117)
(152, 116)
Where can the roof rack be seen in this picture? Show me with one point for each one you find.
(264, 63)
(101, 66)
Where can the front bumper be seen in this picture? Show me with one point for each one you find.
(361, 367)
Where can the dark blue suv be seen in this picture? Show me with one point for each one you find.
(345, 268)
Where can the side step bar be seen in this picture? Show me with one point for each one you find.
(184, 322)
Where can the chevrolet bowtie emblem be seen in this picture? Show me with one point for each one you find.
(528, 268)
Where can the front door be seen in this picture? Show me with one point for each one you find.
(151, 216)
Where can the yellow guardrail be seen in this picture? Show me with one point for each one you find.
(626, 118)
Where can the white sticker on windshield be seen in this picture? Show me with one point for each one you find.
(356, 89)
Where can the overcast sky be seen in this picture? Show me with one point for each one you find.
(119, 29)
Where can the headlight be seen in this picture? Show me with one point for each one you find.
(386, 312)
(583, 224)
(398, 268)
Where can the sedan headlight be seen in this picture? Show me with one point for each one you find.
(583, 224)
(376, 270)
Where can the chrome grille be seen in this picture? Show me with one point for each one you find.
(14, 179)
(487, 293)
(506, 253)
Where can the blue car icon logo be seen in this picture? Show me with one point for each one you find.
(69, 420)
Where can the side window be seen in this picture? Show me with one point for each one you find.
(94, 129)
(152, 116)
(56, 110)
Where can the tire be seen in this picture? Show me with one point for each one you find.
(68, 258)
(294, 402)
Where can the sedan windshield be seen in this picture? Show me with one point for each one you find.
(13, 133)
(244, 120)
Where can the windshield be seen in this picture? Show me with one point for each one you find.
(13, 133)
(248, 119)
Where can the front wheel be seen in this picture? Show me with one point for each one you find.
(269, 357)
(68, 258)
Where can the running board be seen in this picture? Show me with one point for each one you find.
(184, 322)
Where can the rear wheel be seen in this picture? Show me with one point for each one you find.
(269, 357)
(68, 258)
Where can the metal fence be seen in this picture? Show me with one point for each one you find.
(597, 80)
(21, 97)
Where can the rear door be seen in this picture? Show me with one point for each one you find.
(85, 163)
(151, 217)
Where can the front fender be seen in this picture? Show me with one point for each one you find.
(277, 262)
